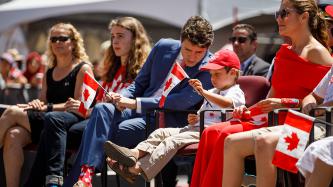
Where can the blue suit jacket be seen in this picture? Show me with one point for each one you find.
(154, 72)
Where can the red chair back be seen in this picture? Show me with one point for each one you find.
(255, 88)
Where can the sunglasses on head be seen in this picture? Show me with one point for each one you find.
(54, 39)
(240, 39)
(283, 13)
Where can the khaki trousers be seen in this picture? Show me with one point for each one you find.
(162, 145)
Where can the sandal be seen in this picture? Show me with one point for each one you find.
(119, 154)
(125, 174)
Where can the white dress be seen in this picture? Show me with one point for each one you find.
(321, 149)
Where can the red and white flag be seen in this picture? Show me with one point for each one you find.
(176, 75)
(293, 140)
(89, 88)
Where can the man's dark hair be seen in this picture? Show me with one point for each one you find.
(249, 28)
(198, 31)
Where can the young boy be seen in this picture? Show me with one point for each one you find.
(150, 156)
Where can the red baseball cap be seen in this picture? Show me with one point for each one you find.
(222, 58)
(329, 10)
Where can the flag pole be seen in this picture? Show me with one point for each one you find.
(105, 91)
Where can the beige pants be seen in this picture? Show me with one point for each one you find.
(162, 145)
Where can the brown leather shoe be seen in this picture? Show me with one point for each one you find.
(129, 177)
(120, 154)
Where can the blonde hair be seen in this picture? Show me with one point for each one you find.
(79, 52)
(138, 53)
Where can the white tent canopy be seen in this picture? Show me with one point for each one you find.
(174, 12)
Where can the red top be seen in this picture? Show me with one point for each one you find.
(116, 85)
(294, 76)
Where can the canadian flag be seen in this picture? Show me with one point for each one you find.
(89, 88)
(293, 140)
(176, 75)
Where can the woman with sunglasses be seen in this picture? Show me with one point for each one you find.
(307, 55)
(23, 123)
(303, 23)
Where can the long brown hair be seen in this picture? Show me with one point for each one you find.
(139, 51)
(317, 23)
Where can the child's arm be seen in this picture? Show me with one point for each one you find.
(217, 99)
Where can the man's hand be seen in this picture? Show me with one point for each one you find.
(125, 102)
(192, 119)
(111, 97)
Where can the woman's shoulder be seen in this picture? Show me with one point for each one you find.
(318, 54)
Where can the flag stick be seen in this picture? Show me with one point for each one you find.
(205, 99)
(106, 92)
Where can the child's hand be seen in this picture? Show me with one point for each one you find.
(196, 84)
(192, 119)
(238, 112)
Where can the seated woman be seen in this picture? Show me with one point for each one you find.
(296, 20)
(23, 124)
(262, 142)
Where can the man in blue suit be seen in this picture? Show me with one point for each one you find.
(123, 121)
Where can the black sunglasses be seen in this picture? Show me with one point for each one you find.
(283, 13)
(240, 39)
(54, 39)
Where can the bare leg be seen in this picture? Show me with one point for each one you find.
(11, 117)
(321, 175)
(16, 138)
(264, 151)
(236, 148)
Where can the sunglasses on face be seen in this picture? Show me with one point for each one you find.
(240, 39)
(283, 13)
(54, 39)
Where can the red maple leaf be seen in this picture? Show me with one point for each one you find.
(292, 141)
(86, 94)
(168, 83)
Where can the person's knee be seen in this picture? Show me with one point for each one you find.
(14, 139)
(264, 143)
(11, 111)
(229, 144)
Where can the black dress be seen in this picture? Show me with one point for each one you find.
(57, 92)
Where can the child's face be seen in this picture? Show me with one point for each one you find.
(221, 78)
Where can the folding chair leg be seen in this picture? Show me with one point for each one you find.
(104, 174)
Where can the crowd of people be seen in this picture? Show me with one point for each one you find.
(135, 77)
